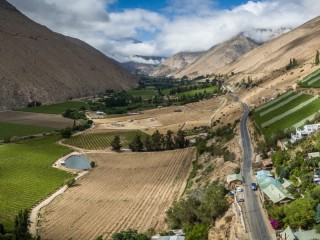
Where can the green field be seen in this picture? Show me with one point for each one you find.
(276, 112)
(197, 91)
(57, 108)
(101, 140)
(289, 120)
(8, 130)
(143, 93)
(26, 175)
(312, 77)
(293, 118)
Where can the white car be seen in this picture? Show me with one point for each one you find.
(239, 189)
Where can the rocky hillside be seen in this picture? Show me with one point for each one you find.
(176, 63)
(219, 56)
(38, 64)
(139, 68)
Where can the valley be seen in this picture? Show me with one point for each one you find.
(216, 139)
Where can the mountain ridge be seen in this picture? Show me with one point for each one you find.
(37, 64)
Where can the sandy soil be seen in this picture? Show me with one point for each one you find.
(124, 190)
(163, 119)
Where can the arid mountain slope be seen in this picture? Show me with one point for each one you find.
(219, 56)
(300, 43)
(38, 64)
(140, 68)
(176, 63)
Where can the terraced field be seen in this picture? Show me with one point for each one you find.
(100, 140)
(26, 175)
(312, 80)
(293, 108)
(124, 190)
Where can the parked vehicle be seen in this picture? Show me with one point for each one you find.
(254, 186)
(239, 189)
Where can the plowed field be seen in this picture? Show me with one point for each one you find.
(126, 190)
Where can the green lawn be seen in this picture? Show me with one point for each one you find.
(8, 130)
(57, 108)
(101, 140)
(26, 175)
(280, 110)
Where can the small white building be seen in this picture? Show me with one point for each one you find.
(306, 131)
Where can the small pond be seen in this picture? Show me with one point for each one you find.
(78, 162)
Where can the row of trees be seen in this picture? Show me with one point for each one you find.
(156, 142)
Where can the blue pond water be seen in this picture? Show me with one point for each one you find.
(77, 162)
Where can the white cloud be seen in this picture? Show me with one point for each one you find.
(185, 25)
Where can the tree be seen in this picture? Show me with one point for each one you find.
(66, 132)
(21, 225)
(136, 145)
(156, 140)
(116, 143)
(316, 61)
(147, 143)
(169, 144)
(130, 234)
(317, 214)
(180, 140)
(299, 213)
(198, 232)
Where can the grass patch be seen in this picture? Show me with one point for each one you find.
(8, 130)
(57, 108)
(280, 110)
(101, 140)
(26, 175)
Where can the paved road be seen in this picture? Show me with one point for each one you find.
(256, 224)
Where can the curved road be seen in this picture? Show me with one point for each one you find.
(256, 223)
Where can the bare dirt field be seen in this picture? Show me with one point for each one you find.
(124, 190)
(193, 114)
(38, 119)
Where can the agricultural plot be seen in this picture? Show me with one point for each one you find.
(57, 108)
(99, 140)
(8, 130)
(127, 190)
(311, 81)
(279, 115)
(143, 93)
(197, 91)
(26, 175)
(35, 119)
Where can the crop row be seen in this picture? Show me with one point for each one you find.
(126, 190)
(100, 140)
(312, 80)
(284, 108)
(274, 101)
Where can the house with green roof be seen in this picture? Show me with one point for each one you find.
(289, 234)
(272, 189)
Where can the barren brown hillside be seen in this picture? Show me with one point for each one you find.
(176, 63)
(300, 43)
(38, 64)
(219, 56)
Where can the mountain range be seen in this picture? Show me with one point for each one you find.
(37, 64)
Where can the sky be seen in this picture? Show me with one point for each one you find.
(123, 29)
